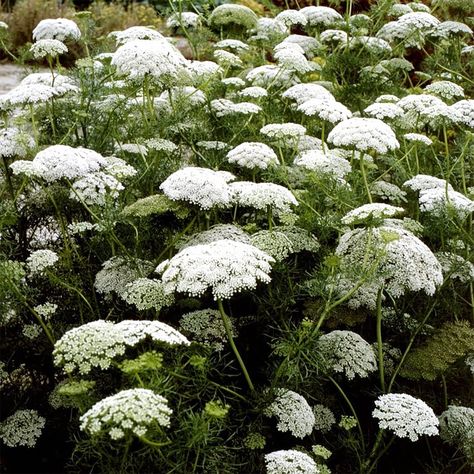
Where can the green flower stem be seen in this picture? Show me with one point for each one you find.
(154, 443)
(352, 409)
(364, 177)
(270, 218)
(379, 339)
(225, 320)
(373, 459)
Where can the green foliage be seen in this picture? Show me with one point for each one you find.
(156, 204)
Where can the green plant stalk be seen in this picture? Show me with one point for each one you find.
(379, 339)
(228, 330)
(364, 177)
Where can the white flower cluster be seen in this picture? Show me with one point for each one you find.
(450, 29)
(40, 260)
(292, 412)
(445, 89)
(216, 232)
(381, 110)
(253, 92)
(14, 142)
(268, 30)
(117, 272)
(135, 33)
(303, 92)
(331, 36)
(271, 75)
(325, 163)
(233, 44)
(230, 13)
(370, 212)
(227, 59)
(206, 327)
(418, 138)
(46, 310)
(291, 18)
(456, 267)
(321, 16)
(224, 266)
(291, 56)
(329, 110)
(253, 155)
(364, 134)
(56, 28)
(23, 428)
(59, 83)
(374, 45)
(200, 186)
(406, 416)
(398, 261)
(263, 195)
(324, 418)
(310, 45)
(280, 131)
(465, 112)
(183, 20)
(388, 191)
(60, 161)
(96, 344)
(456, 426)
(224, 107)
(290, 461)
(146, 294)
(348, 353)
(96, 188)
(48, 47)
(156, 59)
(161, 144)
(130, 412)
(438, 198)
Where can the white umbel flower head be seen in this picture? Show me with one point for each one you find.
(302, 92)
(465, 112)
(146, 294)
(200, 186)
(439, 202)
(334, 37)
(348, 353)
(156, 59)
(292, 412)
(129, 412)
(183, 20)
(419, 20)
(48, 47)
(445, 89)
(96, 189)
(418, 138)
(216, 232)
(364, 134)
(40, 260)
(370, 212)
(406, 416)
(310, 45)
(451, 29)
(321, 16)
(58, 28)
(263, 195)
(225, 107)
(281, 131)
(229, 13)
(456, 426)
(271, 75)
(253, 155)
(253, 92)
(135, 33)
(291, 56)
(14, 142)
(224, 266)
(404, 263)
(383, 111)
(291, 17)
(232, 44)
(327, 110)
(321, 162)
(290, 461)
(227, 59)
(23, 428)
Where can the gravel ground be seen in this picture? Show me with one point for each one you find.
(10, 76)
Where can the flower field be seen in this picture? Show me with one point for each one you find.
(241, 242)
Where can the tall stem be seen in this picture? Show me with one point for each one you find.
(228, 330)
(364, 177)
(379, 339)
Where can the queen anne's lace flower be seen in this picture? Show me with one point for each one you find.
(226, 14)
(156, 59)
(206, 327)
(324, 418)
(183, 20)
(465, 112)
(348, 353)
(271, 75)
(291, 17)
(456, 267)
(95, 188)
(387, 191)
(290, 462)
(384, 110)
(27, 95)
(418, 138)
(279, 131)
(253, 155)
(310, 45)
(23, 428)
(96, 344)
(253, 92)
(263, 195)
(48, 47)
(130, 412)
(200, 186)
(58, 28)
(146, 294)
(371, 212)
(328, 110)
(224, 107)
(372, 44)
(291, 56)
(439, 202)
(225, 58)
(161, 144)
(117, 272)
(445, 89)
(59, 83)
(14, 142)
(406, 416)
(268, 30)
(456, 426)
(135, 33)
(321, 16)
(223, 266)
(397, 259)
(364, 134)
(450, 29)
(216, 232)
(327, 162)
(423, 182)
(233, 44)
(304, 92)
(40, 260)
(293, 413)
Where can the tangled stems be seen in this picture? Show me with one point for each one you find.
(379, 339)
(228, 330)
